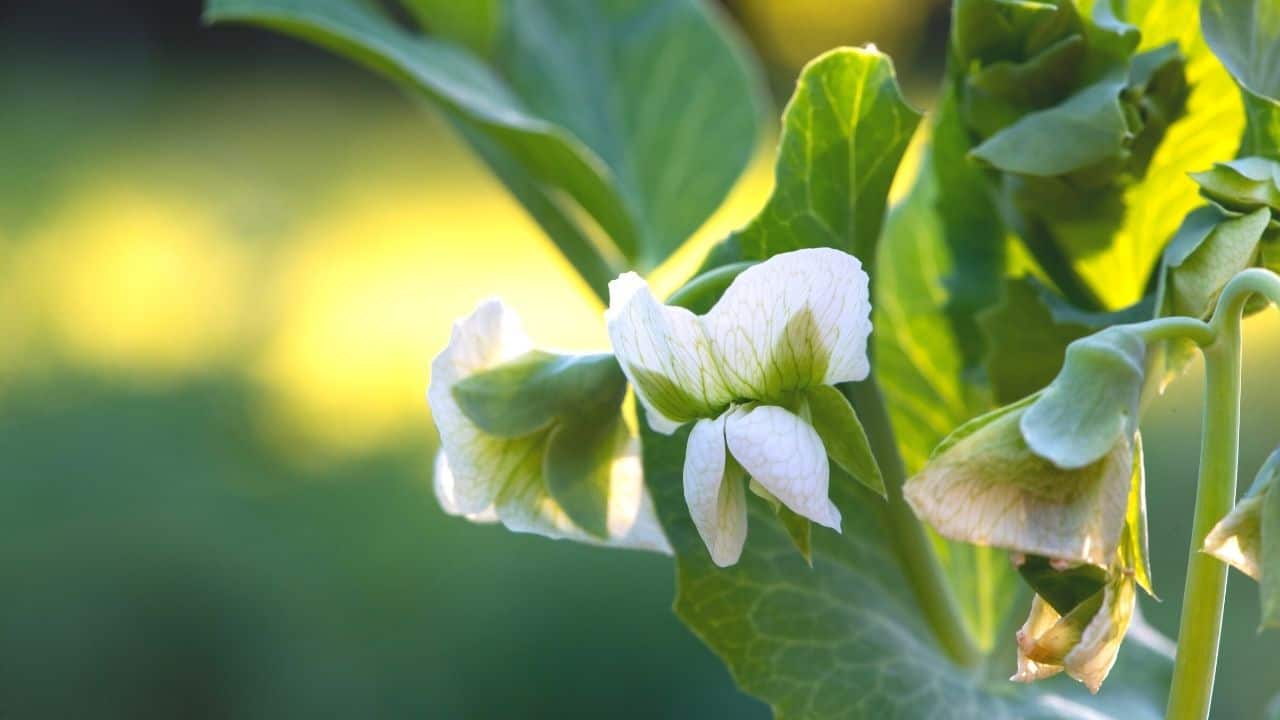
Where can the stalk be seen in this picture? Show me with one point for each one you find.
(911, 544)
(1202, 601)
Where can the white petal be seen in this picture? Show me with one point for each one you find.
(1237, 538)
(442, 480)
(480, 464)
(665, 354)
(1039, 621)
(785, 455)
(718, 505)
(632, 521)
(1090, 661)
(798, 319)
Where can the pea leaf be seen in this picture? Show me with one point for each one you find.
(579, 110)
(473, 24)
(1245, 34)
(843, 134)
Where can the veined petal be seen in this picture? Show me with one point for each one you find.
(785, 455)
(717, 504)
(1039, 621)
(1091, 660)
(989, 488)
(665, 354)
(480, 463)
(798, 319)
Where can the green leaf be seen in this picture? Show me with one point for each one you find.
(529, 392)
(1093, 402)
(842, 434)
(1088, 128)
(1245, 34)
(646, 167)
(473, 24)
(1199, 263)
(843, 135)
(1242, 185)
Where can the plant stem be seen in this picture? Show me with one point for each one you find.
(1203, 596)
(915, 551)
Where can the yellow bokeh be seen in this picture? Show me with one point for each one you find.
(126, 279)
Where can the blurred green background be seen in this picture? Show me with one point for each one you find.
(226, 260)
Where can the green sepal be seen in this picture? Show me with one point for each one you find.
(1135, 548)
(1065, 589)
(578, 467)
(526, 394)
(1093, 402)
(832, 415)
(799, 529)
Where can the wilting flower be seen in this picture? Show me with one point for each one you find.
(1057, 479)
(1084, 641)
(490, 478)
(747, 374)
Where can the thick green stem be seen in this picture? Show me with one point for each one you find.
(1203, 596)
(914, 549)
(1202, 599)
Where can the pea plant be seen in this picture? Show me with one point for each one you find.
(874, 438)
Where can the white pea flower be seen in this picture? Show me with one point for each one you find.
(750, 374)
(487, 478)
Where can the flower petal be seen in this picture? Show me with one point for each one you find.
(665, 354)
(1041, 618)
(442, 481)
(480, 464)
(798, 319)
(1237, 538)
(1090, 661)
(989, 488)
(785, 455)
(717, 504)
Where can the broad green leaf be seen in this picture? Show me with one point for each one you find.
(1245, 34)
(843, 134)
(1088, 128)
(524, 395)
(473, 23)
(842, 434)
(646, 167)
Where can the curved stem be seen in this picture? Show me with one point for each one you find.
(1202, 601)
(915, 551)
(1178, 327)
